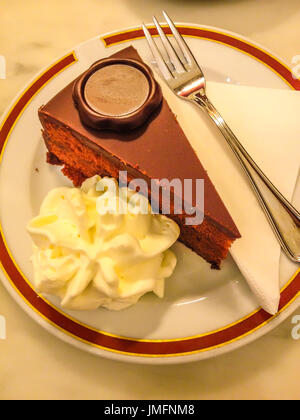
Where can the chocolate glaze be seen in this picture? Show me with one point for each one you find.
(159, 149)
(116, 90)
(116, 94)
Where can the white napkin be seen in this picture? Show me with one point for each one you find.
(267, 123)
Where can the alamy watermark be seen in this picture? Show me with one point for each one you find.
(2, 67)
(296, 67)
(296, 329)
(181, 197)
(2, 327)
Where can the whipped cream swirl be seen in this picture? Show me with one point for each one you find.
(90, 256)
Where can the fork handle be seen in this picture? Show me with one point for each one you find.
(283, 217)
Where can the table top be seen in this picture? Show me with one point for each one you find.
(37, 365)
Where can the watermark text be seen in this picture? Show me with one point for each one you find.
(296, 328)
(2, 67)
(166, 197)
(296, 67)
(2, 327)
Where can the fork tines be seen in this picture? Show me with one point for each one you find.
(174, 62)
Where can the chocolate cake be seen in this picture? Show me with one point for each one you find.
(145, 139)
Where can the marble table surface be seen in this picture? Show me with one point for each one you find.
(35, 364)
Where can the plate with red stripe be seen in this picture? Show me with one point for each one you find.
(195, 319)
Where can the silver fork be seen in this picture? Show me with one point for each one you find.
(185, 77)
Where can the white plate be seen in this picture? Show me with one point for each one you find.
(196, 319)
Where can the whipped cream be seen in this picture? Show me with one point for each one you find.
(91, 256)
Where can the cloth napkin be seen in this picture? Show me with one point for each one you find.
(267, 123)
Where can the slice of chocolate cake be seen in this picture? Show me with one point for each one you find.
(84, 135)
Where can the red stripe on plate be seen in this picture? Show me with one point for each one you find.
(124, 345)
(226, 39)
(98, 338)
(29, 93)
